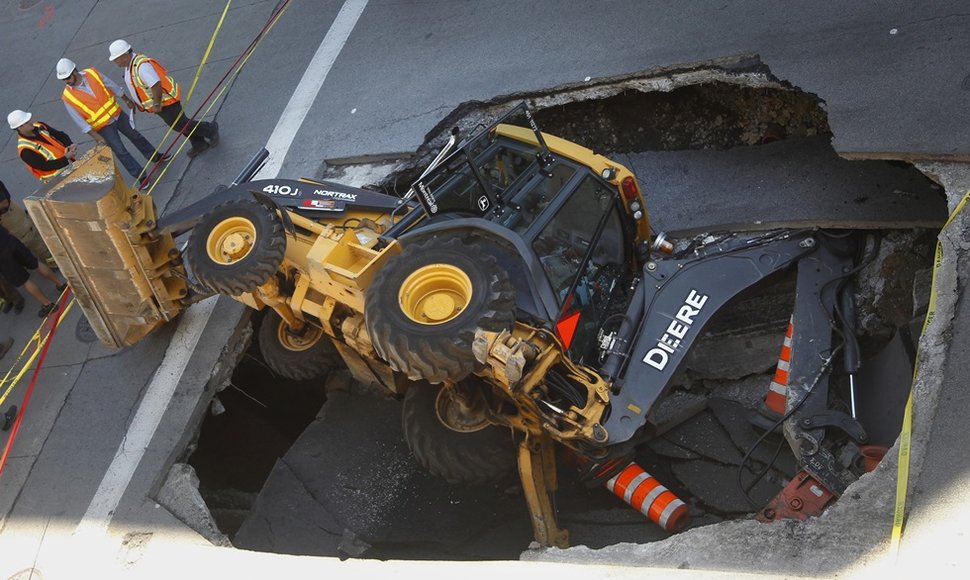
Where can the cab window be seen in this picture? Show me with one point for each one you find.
(562, 247)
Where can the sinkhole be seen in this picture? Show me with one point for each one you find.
(320, 467)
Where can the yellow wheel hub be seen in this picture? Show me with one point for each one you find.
(435, 294)
(231, 240)
(298, 342)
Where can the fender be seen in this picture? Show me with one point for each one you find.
(306, 197)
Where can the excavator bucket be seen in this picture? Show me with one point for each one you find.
(128, 279)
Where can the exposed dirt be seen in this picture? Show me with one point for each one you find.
(714, 115)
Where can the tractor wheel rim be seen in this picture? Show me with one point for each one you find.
(231, 240)
(458, 415)
(435, 294)
(298, 342)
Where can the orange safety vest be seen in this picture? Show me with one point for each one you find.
(97, 110)
(49, 147)
(170, 88)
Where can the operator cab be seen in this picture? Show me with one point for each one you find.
(573, 237)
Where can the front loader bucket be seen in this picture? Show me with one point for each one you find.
(128, 280)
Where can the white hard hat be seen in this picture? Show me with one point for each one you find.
(17, 118)
(118, 48)
(65, 67)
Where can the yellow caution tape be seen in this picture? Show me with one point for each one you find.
(906, 431)
(36, 338)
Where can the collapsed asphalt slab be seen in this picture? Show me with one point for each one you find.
(795, 182)
(349, 487)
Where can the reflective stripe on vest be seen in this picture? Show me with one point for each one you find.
(99, 109)
(50, 149)
(170, 88)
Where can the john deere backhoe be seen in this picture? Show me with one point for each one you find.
(516, 298)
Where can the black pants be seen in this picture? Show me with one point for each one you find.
(15, 261)
(200, 130)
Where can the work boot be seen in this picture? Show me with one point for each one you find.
(45, 310)
(7, 306)
(18, 307)
(196, 150)
(5, 347)
(8, 418)
(214, 138)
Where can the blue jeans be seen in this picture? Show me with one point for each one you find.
(112, 136)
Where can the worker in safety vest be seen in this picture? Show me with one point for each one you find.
(45, 150)
(91, 100)
(154, 90)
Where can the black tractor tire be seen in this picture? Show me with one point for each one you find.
(484, 457)
(297, 357)
(437, 350)
(254, 264)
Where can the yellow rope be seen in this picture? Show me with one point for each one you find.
(198, 73)
(205, 56)
(225, 86)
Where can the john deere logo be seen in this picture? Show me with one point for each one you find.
(483, 203)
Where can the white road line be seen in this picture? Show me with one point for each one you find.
(163, 384)
(147, 417)
(306, 92)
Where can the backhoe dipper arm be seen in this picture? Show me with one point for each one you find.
(672, 303)
(812, 351)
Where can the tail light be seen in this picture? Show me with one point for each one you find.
(629, 188)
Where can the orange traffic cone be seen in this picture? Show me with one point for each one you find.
(645, 493)
(778, 389)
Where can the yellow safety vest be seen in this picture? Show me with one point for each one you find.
(49, 147)
(98, 109)
(170, 88)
